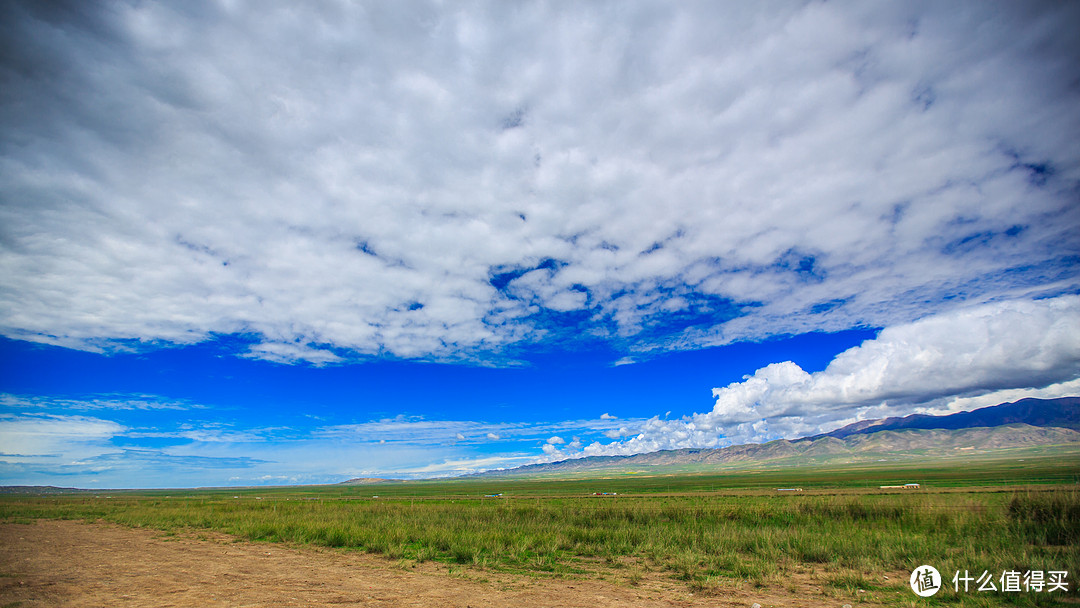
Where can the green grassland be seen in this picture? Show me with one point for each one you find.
(1015, 511)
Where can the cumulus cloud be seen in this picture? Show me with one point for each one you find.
(429, 182)
(970, 358)
(622, 431)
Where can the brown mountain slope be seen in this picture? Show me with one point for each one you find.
(857, 447)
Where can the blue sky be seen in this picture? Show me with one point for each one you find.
(427, 240)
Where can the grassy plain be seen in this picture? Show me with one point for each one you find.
(709, 530)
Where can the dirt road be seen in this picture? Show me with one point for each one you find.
(68, 563)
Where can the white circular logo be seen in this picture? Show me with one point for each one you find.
(925, 581)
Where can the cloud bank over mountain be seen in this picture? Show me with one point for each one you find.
(935, 365)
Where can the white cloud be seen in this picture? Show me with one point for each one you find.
(607, 416)
(464, 466)
(32, 436)
(101, 402)
(106, 453)
(420, 431)
(619, 432)
(210, 433)
(432, 182)
(968, 358)
(291, 353)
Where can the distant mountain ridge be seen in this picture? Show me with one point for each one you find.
(905, 444)
(1061, 413)
(1023, 424)
(361, 481)
(40, 490)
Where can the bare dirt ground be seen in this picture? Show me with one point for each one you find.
(69, 563)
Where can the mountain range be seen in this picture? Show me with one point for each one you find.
(1027, 423)
(1061, 413)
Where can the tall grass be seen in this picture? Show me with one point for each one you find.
(700, 539)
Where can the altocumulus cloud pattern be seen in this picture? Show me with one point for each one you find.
(342, 180)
